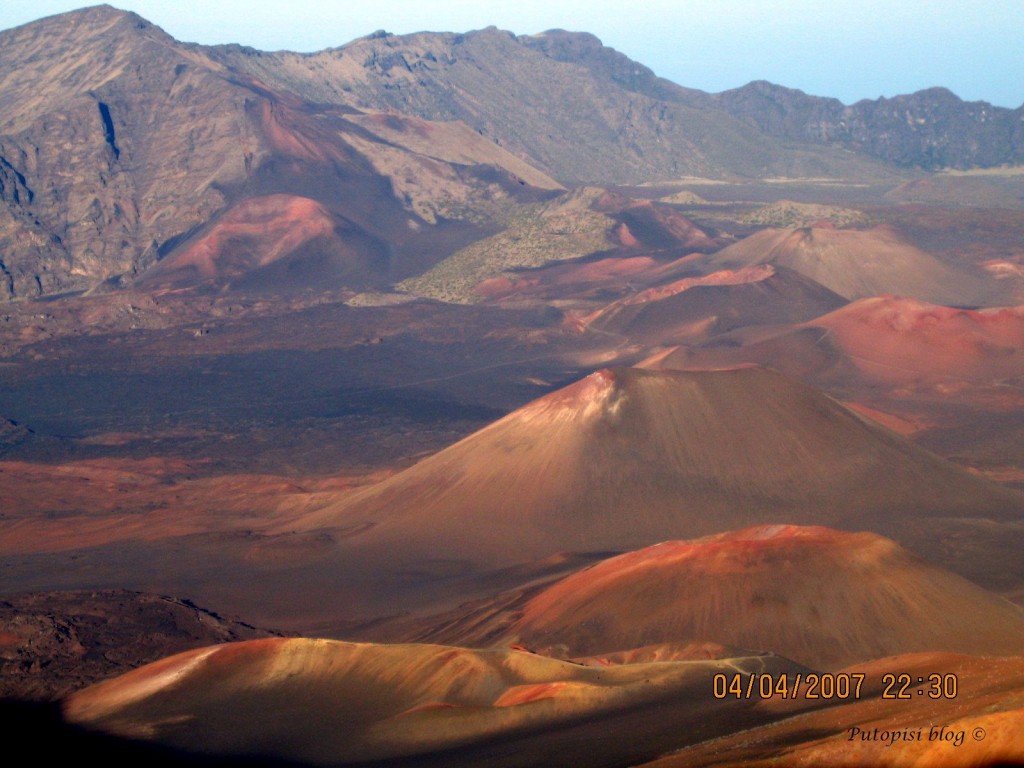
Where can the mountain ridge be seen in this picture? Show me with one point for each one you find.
(579, 113)
(932, 128)
(119, 143)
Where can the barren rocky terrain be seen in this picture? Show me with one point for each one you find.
(457, 399)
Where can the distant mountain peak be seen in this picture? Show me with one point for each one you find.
(932, 128)
(99, 15)
(566, 39)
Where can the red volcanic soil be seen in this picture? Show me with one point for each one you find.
(859, 263)
(561, 280)
(693, 651)
(655, 243)
(277, 223)
(648, 224)
(951, 377)
(323, 702)
(725, 277)
(892, 342)
(290, 132)
(895, 340)
(822, 597)
(628, 457)
(262, 231)
(624, 236)
(692, 309)
(898, 424)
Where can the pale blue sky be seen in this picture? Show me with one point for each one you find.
(850, 50)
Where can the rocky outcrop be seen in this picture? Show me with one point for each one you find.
(52, 643)
(112, 143)
(119, 145)
(929, 129)
(580, 111)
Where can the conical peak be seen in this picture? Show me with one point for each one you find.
(597, 394)
(656, 405)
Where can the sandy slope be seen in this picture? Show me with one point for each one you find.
(627, 458)
(689, 310)
(822, 597)
(262, 231)
(330, 703)
(857, 263)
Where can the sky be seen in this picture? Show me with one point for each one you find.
(848, 50)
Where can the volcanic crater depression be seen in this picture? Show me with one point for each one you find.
(460, 399)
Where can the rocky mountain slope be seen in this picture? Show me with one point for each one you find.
(119, 146)
(52, 643)
(574, 108)
(584, 111)
(929, 129)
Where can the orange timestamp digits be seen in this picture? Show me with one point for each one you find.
(827, 685)
(906, 686)
(812, 685)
